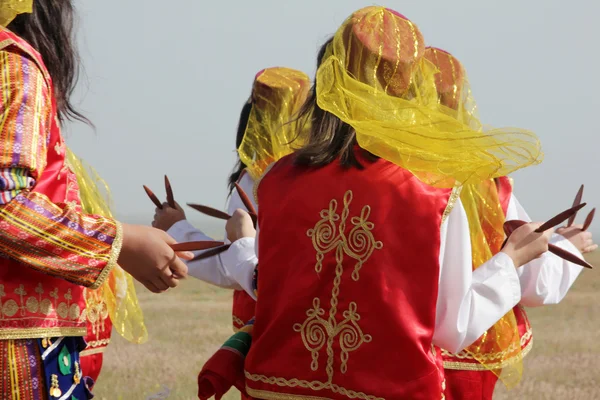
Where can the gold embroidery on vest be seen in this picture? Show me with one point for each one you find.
(313, 385)
(359, 243)
(96, 311)
(34, 305)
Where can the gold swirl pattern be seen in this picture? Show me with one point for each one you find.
(358, 244)
(38, 303)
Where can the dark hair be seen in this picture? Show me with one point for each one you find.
(242, 125)
(329, 138)
(49, 29)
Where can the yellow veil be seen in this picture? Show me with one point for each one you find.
(9, 9)
(277, 96)
(117, 291)
(374, 77)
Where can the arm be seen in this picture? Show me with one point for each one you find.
(470, 302)
(50, 238)
(212, 269)
(547, 279)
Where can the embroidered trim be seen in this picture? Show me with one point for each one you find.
(39, 333)
(115, 251)
(263, 394)
(313, 385)
(476, 366)
(91, 352)
(454, 196)
(258, 181)
(237, 321)
(97, 343)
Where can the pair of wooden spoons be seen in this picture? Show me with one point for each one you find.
(212, 248)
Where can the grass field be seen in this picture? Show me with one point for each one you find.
(188, 324)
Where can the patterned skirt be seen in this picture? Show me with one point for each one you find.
(42, 369)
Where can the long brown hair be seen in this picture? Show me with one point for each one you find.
(50, 30)
(329, 138)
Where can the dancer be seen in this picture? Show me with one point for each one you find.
(472, 373)
(51, 249)
(116, 301)
(265, 134)
(375, 98)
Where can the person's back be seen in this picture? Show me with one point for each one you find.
(348, 290)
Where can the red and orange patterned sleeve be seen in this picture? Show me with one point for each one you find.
(52, 238)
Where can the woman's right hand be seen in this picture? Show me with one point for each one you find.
(525, 245)
(147, 256)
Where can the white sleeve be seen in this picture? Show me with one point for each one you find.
(209, 269)
(547, 279)
(182, 231)
(212, 269)
(242, 257)
(470, 302)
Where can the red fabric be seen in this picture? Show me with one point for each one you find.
(470, 385)
(505, 190)
(91, 365)
(243, 308)
(393, 294)
(44, 302)
(222, 371)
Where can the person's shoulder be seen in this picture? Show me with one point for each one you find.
(17, 52)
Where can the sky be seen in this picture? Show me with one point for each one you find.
(165, 81)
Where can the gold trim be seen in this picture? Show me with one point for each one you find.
(115, 251)
(91, 352)
(476, 366)
(40, 333)
(266, 395)
(258, 181)
(98, 343)
(454, 196)
(313, 385)
(237, 321)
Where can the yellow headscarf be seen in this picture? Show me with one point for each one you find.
(9, 9)
(117, 291)
(374, 78)
(277, 96)
(499, 349)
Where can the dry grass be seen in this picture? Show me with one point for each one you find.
(187, 325)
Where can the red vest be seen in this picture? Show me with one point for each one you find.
(348, 286)
(33, 304)
(466, 361)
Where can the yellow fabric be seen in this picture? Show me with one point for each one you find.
(277, 96)
(9, 9)
(410, 128)
(117, 291)
(486, 219)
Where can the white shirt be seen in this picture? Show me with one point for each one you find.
(469, 302)
(211, 269)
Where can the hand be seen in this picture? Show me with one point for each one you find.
(147, 256)
(525, 245)
(580, 239)
(239, 226)
(166, 217)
